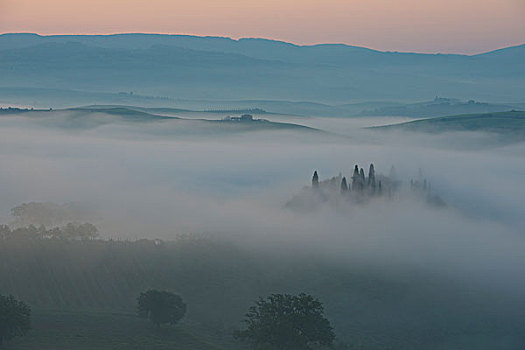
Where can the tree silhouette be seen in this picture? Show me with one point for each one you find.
(372, 177)
(344, 186)
(161, 307)
(315, 180)
(355, 178)
(15, 318)
(287, 322)
(361, 179)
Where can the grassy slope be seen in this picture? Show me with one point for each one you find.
(92, 117)
(437, 108)
(69, 330)
(506, 123)
(95, 285)
(83, 294)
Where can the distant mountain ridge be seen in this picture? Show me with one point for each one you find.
(222, 68)
(213, 43)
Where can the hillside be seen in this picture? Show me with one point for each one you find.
(56, 98)
(59, 98)
(437, 107)
(163, 123)
(222, 68)
(510, 125)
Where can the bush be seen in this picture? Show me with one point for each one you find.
(15, 318)
(161, 307)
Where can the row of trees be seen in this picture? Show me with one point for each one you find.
(281, 321)
(359, 183)
(84, 231)
(370, 184)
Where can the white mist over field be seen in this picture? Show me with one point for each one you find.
(145, 180)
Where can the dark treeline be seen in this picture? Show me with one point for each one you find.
(85, 231)
(9, 110)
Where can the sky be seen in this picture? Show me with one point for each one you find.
(447, 26)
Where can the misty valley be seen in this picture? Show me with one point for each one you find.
(180, 192)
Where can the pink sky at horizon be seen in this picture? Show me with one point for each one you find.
(447, 26)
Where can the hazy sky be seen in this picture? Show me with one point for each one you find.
(465, 26)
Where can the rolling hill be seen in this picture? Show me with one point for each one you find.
(510, 125)
(437, 107)
(91, 117)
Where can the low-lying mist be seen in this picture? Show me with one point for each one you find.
(143, 181)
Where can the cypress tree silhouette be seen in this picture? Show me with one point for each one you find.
(344, 186)
(315, 180)
(355, 178)
(371, 177)
(361, 179)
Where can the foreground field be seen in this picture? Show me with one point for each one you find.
(94, 286)
(85, 330)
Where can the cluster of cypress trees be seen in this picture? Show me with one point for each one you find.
(360, 182)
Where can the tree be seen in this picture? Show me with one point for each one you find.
(87, 231)
(344, 186)
(315, 180)
(371, 177)
(161, 307)
(15, 318)
(355, 178)
(287, 322)
(47, 214)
